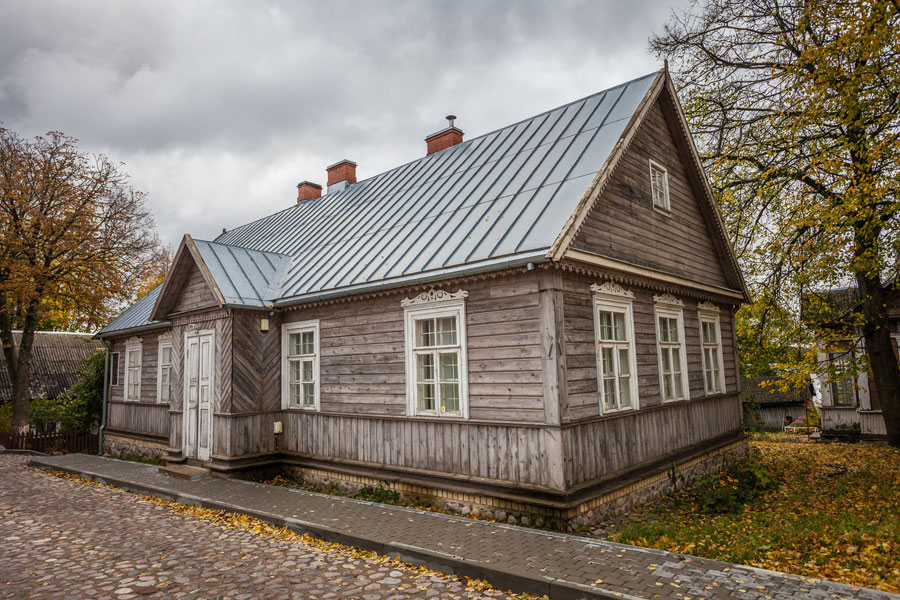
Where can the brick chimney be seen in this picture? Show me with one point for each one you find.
(341, 174)
(445, 138)
(307, 190)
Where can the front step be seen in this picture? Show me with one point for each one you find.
(184, 472)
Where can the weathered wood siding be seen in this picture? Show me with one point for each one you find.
(602, 447)
(195, 293)
(363, 360)
(580, 348)
(524, 454)
(256, 374)
(624, 225)
(144, 419)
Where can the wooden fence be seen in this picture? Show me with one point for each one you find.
(52, 441)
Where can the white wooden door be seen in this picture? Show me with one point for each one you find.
(198, 391)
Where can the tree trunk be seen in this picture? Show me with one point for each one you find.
(885, 376)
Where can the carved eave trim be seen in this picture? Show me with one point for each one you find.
(434, 296)
(707, 307)
(613, 290)
(668, 300)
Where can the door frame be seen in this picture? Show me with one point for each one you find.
(185, 385)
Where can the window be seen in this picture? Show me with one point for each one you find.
(614, 331)
(670, 345)
(437, 371)
(711, 342)
(659, 186)
(843, 392)
(133, 371)
(300, 369)
(164, 374)
(114, 369)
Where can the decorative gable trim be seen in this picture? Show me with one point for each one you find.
(611, 289)
(668, 300)
(434, 296)
(707, 307)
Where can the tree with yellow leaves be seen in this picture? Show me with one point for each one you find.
(796, 111)
(75, 239)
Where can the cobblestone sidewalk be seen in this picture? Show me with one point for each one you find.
(62, 539)
(510, 557)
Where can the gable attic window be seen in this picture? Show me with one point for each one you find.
(614, 333)
(300, 367)
(670, 347)
(133, 351)
(436, 355)
(659, 186)
(711, 341)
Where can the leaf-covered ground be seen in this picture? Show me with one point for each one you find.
(835, 515)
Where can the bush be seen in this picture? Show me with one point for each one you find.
(741, 482)
(78, 408)
(382, 494)
(6, 416)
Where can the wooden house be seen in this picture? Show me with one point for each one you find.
(769, 407)
(850, 405)
(57, 358)
(537, 320)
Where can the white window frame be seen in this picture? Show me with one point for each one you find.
(667, 305)
(843, 357)
(709, 313)
(133, 345)
(165, 341)
(655, 166)
(436, 304)
(286, 330)
(610, 297)
(114, 364)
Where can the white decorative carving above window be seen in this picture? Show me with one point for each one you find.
(611, 289)
(133, 340)
(433, 296)
(707, 307)
(668, 300)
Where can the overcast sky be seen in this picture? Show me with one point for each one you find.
(219, 108)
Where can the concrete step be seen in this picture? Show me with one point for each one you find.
(184, 472)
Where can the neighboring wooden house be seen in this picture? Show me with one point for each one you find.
(850, 406)
(56, 363)
(766, 406)
(537, 320)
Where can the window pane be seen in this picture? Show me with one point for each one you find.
(666, 361)
(449, 366)
(663, 329)
(309, 394)
(449, 397)
(624, 392)
(619, 327)
(294, 368)
(308, 342)
(425, 367)
(624, 363)
(425, 396)
(609, 393)
(667, 386)
(307, 370)
(294, 344)
(296, 399)
(606, 362)
(166, 355)
(425, 335)
(446, 331)
(676, 360)
(678, 391)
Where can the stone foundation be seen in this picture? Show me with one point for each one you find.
(119, 445)
(596, 510)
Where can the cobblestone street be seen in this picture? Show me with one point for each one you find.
(65, 539)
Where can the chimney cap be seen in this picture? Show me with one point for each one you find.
(340, 162)
(450, 119)
(310, 184)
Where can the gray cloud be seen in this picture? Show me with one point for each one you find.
(219, 107)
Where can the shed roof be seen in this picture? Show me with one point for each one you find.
(56, 363)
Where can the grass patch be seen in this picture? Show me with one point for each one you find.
(818, 510)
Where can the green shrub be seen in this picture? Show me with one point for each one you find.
(382, 494)
(80, 407)
(6, 416)
(741, 482)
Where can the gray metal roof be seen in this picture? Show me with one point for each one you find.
(137, 315)
(491, 201)
(500, 195)
(246, 277)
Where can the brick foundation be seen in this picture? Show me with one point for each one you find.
(593, 511)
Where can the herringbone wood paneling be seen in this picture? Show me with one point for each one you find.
(256, 364)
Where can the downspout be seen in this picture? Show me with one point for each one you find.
(105, 396)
